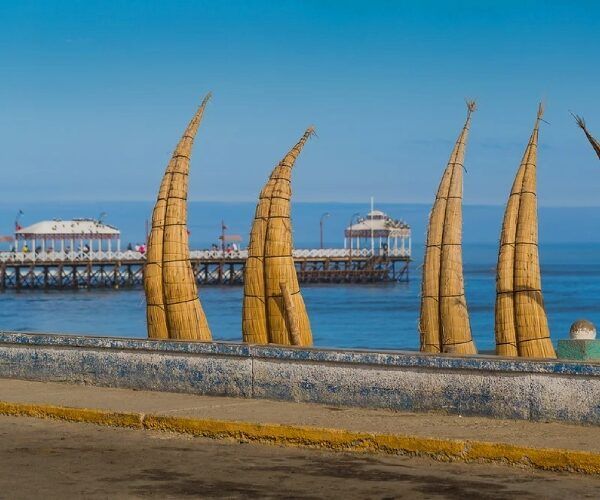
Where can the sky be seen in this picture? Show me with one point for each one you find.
(95, 94)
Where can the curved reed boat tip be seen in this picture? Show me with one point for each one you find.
(579, 120)
(207, 98)
(541, 109)
(471, 105)
(593, 141)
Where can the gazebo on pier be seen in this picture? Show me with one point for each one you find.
(378, 231)
(67, 236)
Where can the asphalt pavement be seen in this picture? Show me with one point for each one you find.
(56, 459)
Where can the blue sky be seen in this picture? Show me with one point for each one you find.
(95, 94)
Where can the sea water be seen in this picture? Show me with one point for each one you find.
(380, 316)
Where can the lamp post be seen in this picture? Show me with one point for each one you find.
(354, 215)
(17, 227)
(222, 238)
(326, 214)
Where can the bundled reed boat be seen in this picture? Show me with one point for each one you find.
(273, 308)
(173, 309)
(444, 320)
(521, 326)
(595, 144)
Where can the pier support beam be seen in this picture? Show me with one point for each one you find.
(70, 272)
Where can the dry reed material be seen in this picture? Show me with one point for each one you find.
(156, 319)
(254, 313)
(444, 321)
(270, 263)
(521, 325)
(505, 329)
(291, 317)
(185, 318)
(595, 144)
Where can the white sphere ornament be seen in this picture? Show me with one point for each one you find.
(582, 329)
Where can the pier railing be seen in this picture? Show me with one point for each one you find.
(209, 255)
(77, 256)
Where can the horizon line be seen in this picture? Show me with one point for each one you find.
(304, 202)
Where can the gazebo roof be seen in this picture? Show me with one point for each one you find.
(380, 224)
(67, 229)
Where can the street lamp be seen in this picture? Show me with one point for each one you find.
(326, 214)
(354, 215)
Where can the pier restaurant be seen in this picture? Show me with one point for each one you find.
(67, 236)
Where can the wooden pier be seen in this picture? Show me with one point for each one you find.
(118, 270)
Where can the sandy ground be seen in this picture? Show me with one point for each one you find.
(52, 459)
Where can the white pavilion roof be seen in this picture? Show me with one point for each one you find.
(379, 223)
(66, 229)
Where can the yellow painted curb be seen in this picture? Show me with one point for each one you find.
(330, 439)
(92, 416)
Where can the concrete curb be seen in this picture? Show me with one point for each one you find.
(329, 439)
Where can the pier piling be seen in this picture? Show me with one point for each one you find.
(125, 269)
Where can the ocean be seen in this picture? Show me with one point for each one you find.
(377, 316)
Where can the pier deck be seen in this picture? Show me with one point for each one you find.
(64, 270)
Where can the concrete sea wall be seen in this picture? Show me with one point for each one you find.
(407, 381)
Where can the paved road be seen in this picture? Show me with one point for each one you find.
(50, 459)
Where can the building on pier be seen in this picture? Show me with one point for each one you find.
(379, 233)
(67, 236)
